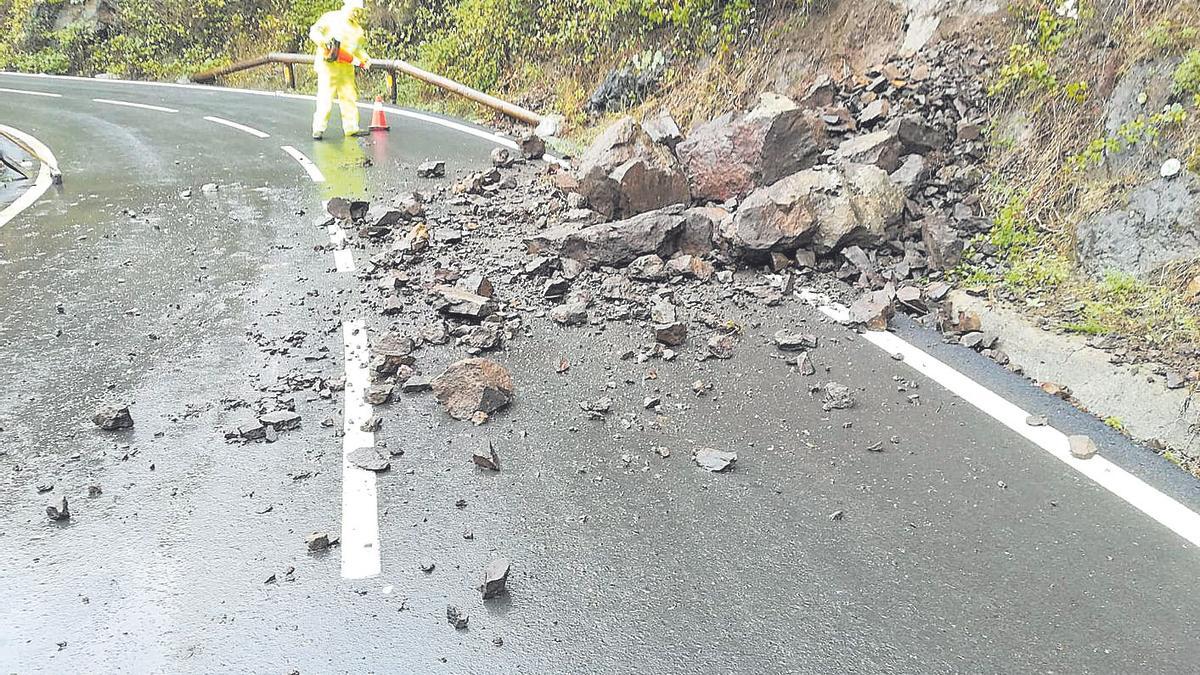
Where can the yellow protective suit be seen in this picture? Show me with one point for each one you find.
(335, 81)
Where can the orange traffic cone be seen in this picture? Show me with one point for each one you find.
(378, 119)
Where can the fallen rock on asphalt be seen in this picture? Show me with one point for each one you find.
(837, 397)
(872, 310)
(1082, 447)
(794, 342)
(112, 418)
(495, 579)
(434, 169)
(625, 173)
(731, 155)
(457, 617)
(473, 386)
(714, 460)
(619, 243)
(721, 344)
(486, 457)
(58, 509)
(318, 541)
(280, 420)
(455, 301)
(370, 458)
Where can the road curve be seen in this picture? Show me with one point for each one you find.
(964, 547)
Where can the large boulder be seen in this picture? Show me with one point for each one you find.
(828, 209)
(881, 148)
(869, 204)
(943, 247)
(625, 173)
(472, 389)
(730, 156)
(619, 243)
(783, 216)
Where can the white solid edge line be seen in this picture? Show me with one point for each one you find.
(360, 500)
(1166, 511)
(130, 104)
(449, 124)
(27, 198)
(240, 127)
(31, 93)
(313, 172)
(44, 180)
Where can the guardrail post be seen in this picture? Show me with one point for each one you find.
(289, 73)
(391, 80)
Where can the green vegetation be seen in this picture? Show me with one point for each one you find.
(1028, 67)
(1115, 423)
(1122, 304)
(1167, 36)
(1186, 80)
(1141, 129)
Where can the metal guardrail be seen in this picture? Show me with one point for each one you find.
(35, 149)
(389, 66)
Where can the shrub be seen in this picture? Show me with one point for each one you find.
(1186, 80)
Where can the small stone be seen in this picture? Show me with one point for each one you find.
(714, 460)
(570, 314)
(1171, 168)
(501, 158)
(531, 145)
(95, 491)
(794, 342)
(495, 579)
(416, 383)
(837, 397)
(378, 394)
(805, 365)
(721, 345)
(1082, 447)
(1174, 380)
(434, 169)
(280, 420)
(456, 617)
(1055, 389)
(427, 566)
(369, 458)
(317, 541)
(112, 418)
(1036, 420)
(58, 510)
(671, 334)
(486, 458)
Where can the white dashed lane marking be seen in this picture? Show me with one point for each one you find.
(360, 500)
(30, 93)
(313, 172)
(129, 104)
(240, 127)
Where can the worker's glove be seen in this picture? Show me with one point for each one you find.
(365, 63)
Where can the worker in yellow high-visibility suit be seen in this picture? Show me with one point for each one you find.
(335, 78)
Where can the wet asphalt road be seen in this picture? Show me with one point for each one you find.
(963, 548)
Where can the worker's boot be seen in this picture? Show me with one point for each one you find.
(317, 135)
